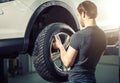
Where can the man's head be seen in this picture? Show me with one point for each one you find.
(87, 9)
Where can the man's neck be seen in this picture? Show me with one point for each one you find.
(90, 22)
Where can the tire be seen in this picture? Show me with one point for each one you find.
(44, 57)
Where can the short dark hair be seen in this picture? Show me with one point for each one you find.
(89, 8)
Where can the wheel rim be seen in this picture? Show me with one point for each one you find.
(55, 54)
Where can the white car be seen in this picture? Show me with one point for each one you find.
(24, 22)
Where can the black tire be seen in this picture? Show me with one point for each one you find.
(43, 63)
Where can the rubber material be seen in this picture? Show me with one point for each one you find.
(41, 54)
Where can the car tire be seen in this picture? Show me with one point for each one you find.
(43, 52)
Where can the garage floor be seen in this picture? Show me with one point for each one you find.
(107, 72)
(29, 78)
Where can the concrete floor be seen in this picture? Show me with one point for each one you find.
(29, 78)
(107, 72)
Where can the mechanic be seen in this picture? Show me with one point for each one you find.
(86, 46)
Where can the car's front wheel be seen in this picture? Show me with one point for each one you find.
(46, 59)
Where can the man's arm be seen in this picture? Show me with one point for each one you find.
(68, 56)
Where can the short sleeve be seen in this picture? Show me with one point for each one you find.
(74, 43)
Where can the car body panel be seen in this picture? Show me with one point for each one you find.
(17, 15)
(14, 20)
(28, 3)
(38, 2)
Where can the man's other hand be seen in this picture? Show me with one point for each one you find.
(56, 43)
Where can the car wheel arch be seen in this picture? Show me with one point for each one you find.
(34, 23)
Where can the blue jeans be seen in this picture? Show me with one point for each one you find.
(82, 78)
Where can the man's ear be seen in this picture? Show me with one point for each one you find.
(83, 15)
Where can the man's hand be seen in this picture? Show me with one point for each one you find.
(68, 56)
(57, 43)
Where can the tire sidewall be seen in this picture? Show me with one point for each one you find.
(49, 31)
(54, 29)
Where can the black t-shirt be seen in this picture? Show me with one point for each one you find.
(90, 44)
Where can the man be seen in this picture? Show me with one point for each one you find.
(86, 46)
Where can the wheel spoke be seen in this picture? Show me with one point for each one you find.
(67, 41)
(55, 56)
(58, 36)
